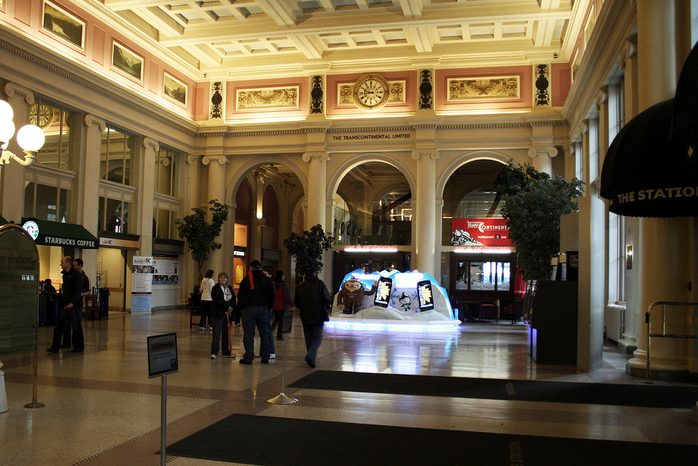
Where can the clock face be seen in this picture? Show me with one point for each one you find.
(371, 92)
(41, 115)
(32, 228)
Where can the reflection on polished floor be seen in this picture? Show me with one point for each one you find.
(102, 409)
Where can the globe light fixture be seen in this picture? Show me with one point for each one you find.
(30, 138)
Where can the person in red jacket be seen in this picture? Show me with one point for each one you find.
(282, 302)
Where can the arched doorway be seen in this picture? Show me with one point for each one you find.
(479, 271)
(372, 220)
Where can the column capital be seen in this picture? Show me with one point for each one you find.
(90, 120)
(551, 152)
(152, 143)
(221, 159)
(321, 155)
(423, 153)
(191, 159)
(11, 89)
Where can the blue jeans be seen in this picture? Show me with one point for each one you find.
(256, 316)
(313, 339)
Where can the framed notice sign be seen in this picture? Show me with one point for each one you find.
(162, 355)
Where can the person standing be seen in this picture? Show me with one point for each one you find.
(282, 301)
(256, 298)
(313, 300)
(223, 304)
(77, 265)
(206, 286)
(70, 308)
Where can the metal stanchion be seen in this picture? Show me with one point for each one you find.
(282, 398)
(35, 385)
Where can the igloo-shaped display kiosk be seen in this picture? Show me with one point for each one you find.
(409, 299)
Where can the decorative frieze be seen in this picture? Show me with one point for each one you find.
(274, 97)
(501, 87)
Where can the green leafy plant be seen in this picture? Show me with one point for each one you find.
(533, 204)
(307, 249)
(199, 234)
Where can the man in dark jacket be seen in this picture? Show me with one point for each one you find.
(313, 300)
(69, 308)
(255, 298)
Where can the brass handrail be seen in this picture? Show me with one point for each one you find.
(648, 320)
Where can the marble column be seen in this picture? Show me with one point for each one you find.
(317, 203)
(216, 190)
(663, 252)
(146, 191)
(424, 242)
(89, 209)
(317, 187)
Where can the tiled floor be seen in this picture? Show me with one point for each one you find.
(102, 409)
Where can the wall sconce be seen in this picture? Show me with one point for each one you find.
(30, 138)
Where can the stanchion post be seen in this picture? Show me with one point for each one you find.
(163, 421)
(282, 398)
(35, 384)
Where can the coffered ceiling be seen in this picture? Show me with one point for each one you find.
(263, 38)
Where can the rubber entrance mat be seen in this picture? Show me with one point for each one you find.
(641, 395)
(262, 440)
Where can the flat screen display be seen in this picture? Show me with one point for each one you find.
(385, 286)
(426, 297)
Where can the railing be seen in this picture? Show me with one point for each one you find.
(664, 304)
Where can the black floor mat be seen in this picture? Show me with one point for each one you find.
(641, 395)
(262, 440)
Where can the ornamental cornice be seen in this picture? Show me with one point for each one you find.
(70, 76)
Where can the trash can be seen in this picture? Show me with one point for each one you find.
(103, 303)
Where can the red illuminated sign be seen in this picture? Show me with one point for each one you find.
(480, 232)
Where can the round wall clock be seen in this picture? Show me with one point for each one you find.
(32, 228)
(41, 115)
(371, 92)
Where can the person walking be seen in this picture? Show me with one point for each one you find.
(70, 308)
(282, 301)
(255, 298)
(206, 286)
(313, 300)
(223, 298)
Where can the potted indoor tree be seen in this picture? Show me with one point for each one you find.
(199, 234)
(307, 250)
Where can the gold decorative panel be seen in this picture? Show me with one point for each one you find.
(502, 87)
(276, 97)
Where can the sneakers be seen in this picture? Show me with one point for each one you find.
(272, 356)
(231, 356)
(213, 356)
(202, 328)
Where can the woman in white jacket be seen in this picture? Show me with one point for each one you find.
(207, 284)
